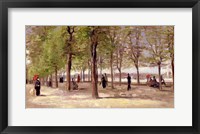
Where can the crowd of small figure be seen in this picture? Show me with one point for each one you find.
(151, 82)
(104, 81)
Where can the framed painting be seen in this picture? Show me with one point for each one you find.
(99, 66)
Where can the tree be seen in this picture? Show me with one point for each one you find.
(80, 60)
(94, 42)
(135, 46)
(90, 35)
(67, 32)
(157, 47)
(122, 40)
(35, 38)
(70, 31)
(53, 55)
(112, 35)
(45, 48)
(94, 35)
(103, 51)
(170, 41)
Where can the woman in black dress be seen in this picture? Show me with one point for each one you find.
(103, 81)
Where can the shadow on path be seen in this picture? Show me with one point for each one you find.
(42, 95)
(117, 97)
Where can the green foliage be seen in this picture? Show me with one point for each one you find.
(46, 51)
(157, 47)
(47, 46)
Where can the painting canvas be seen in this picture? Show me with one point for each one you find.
(99, 66)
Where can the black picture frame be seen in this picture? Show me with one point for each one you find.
(5, 4)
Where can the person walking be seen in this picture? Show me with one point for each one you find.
(61, 79)
(37, 86)
(103, 81)
(129, 82)
(106, 79)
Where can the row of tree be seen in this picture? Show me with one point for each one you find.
(51, 48)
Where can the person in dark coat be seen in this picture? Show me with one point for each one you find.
(61, 79)
(37, 86)
(129, 82)
(155, 83)
(103, 81)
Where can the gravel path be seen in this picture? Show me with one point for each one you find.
(138, 97)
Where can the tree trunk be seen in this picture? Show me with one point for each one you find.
(119, 66)
(94, 70)
(100, 70)
(83, 75)
(120, 77)
(138, 74)
(120, 73)
(172, 64)
(159, 75)
(69, 62)
(138, 54)
(91, 72)
(88, 75)
(111, 70)
(56, 77)
(70, 31)
(88, 71)
(97, 75)
(46, 78)
(51, 78)
(100, 65)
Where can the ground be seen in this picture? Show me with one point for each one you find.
(140, 96)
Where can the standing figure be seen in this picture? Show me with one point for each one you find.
(162, 80)
(106, 79)
(103, 81)
(78, 78)
(61, 79)
(129, 82)
(37, 86)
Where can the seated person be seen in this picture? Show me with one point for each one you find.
(154, 82)
(150, 79)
